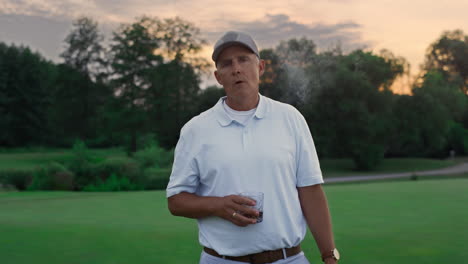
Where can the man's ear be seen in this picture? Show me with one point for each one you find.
(261, 67)
(216, 74)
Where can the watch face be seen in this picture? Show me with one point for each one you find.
(336, 254)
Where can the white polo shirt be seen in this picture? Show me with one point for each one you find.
(272, 153)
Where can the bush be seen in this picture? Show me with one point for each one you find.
(156, 179)
(368, 157)
(154, 156)
(83, 165)
(121, 166)
(112, 184)
(81, 152)
(7, 188)
(458, 139)
(53, 176)
(19, 179)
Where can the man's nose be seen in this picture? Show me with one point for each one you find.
(236, 67)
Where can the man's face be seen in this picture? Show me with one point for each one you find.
(238, 70)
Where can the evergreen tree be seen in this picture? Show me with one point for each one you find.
(26, 79)
(79, 91)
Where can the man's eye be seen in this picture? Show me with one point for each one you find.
(225, 63)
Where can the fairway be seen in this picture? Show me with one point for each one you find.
(391, 222)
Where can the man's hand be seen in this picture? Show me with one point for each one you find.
(234, 208)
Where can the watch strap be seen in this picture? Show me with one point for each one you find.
(329, 254)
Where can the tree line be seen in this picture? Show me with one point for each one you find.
(145, 85)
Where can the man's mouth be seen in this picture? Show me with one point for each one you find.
(238, 82)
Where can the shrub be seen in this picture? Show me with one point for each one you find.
(121, 166)
(53, 176)
(112, 184)
(83, 165)
(368, 157)
(152, 155)
(63, 180)
(156, 179)
(19, 179)
(80, 152)
(7, 188)
(458, 139)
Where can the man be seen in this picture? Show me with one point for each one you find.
(249, 142)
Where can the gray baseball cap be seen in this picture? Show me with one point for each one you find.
(232, 38)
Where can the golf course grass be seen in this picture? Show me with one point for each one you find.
(346, 167)
(392, 222)
(27, 160)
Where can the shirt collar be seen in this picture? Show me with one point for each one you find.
(224, 119)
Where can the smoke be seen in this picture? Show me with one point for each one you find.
(297, 83)
(304, 76)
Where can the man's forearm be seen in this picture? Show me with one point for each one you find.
(227, 207)
(315, 209)
(191, 205)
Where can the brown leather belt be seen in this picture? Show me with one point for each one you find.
(259, 258)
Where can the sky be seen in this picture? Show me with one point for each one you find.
(406, 28)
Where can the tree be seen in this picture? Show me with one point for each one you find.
(25, 81)
(351, 115)
(446, 93)
(270, 81)
(208, 97)
(297, 52)
(172, 100)
(423, 126)
(427, 121)
(449, 55)
(156, 76)
(83, 48)
(76, 107)
(380, 71)
(172, 97)
(134, 61)
(399, 66)
(181, 41)
(80, 91)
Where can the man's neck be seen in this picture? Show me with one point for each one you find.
(243, 104)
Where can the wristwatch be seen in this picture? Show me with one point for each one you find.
(331, 254)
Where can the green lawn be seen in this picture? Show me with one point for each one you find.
(391, 222)
(345, 167)
(30, 160)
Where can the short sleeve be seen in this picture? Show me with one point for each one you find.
(308, 166)
(184, 176)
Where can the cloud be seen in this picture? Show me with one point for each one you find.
(271, 29)
(268, 30)
(41, 34)
(51, 8)
(43, 24)
(104, 11)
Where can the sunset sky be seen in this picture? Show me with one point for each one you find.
(404, 27)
